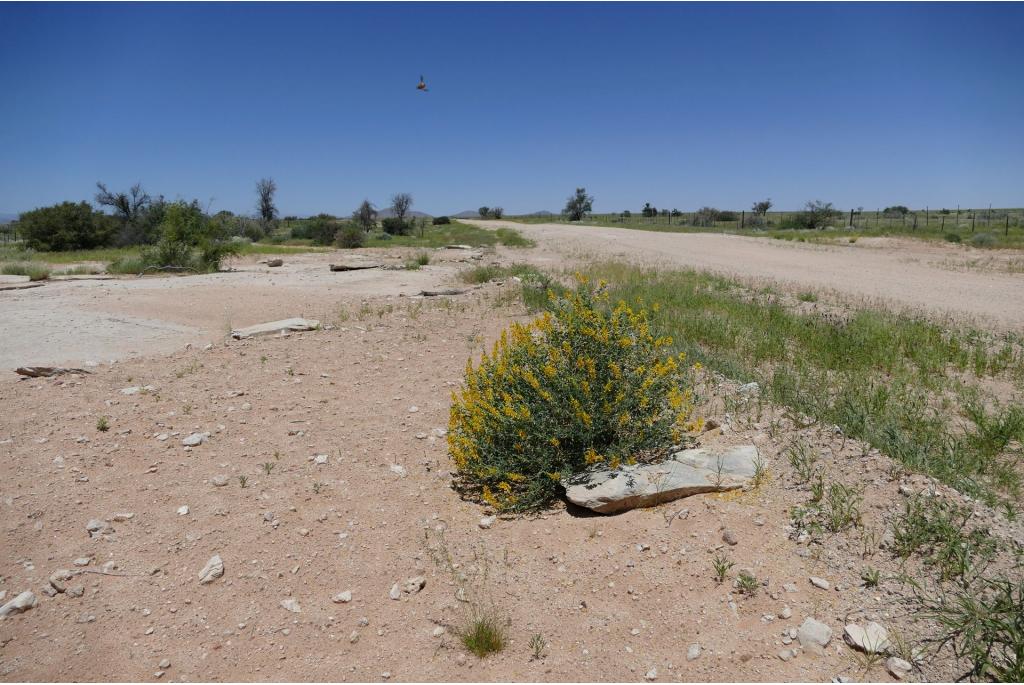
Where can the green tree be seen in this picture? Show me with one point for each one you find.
(322, 228)
(484, 212)
(67, 226)
(129, 209)
(578, 205)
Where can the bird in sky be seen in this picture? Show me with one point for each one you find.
(422, 85)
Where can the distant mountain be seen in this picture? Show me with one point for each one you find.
(468, 214)
(387, 213)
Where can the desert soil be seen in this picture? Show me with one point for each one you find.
(326, 471)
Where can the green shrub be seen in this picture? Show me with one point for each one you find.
(395, 226)
(578, 386)
(36, 271)
(350, 237)
(67, 226)
(952, 238)
(984, 240)
(440, 220)
(322, 228)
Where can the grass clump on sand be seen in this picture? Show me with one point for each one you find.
(454, 233)
(36, 271)
(585, 383)
(483, 634)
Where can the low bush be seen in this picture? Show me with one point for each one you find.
(578, 386)
(36, 271)
(440, 220)
(350, 237)
(395, 226)
(984, 240)
(67, 226)
(510, 237)
(952, 238)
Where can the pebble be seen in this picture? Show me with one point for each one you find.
(897, 667)
(729, 537)
(291, 605)
(342, 597)
(195, 439)
(438, 631)
(872, 638)
(399, 469)
(354, 637)
(320, 459)
(787, 654)
(82, 561)
(414, 585)
(487, 521)
(786, 612)
(692, 652)
(820, 583)
(814, 635)
(214, 569)
(396, 592)
(651, 674)
(23, 602)
(164, 664)
(219, 480)
(183, 510)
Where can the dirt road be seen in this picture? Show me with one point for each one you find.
(944, 279)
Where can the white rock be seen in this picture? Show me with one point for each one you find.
(438, 631)
(195, 439)
(685, 473)
(219, 480)
(320, 459)
(162, 437)
(814, 635)
(82, 561)
(164, 664)
(820, 583)
(123, 517)
(898, 668)
(291, 605)
(651, 674)
(342, 597)
(749, 388)
(413, 409)
(487, 521)
(399, 469)
(786, 612)
(23, 602)
(414, 585)
(214, 569)
(183, 510)
(276, 327)
(872, 638)
(396, 592)
(692, 652)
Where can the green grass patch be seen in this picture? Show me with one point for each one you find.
(483, 635)
(903, 384)
(455, 233)
(36, 271)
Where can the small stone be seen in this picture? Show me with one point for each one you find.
(487, 521)
(396, 592)
(291, 605)
(23, 602)
(158, 674)
(195, 439)
(438, 631)
(75, 591)
(729, 537)
(749, 388)
(898, 668)
(354, 637)
(342, 597)
(872, 638)
(820, 583)
(320, 459)
(219, 480)
(123, 517)
(399, 469)
(814, 635)
(790, 587)
(214, 569)
(414, 585)
(786, 612)
(651, 674)
(421, 436)
(164, 664)
(692, 652)
(787, 654)
(148, 631)
(413, 409)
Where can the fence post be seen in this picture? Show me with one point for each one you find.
(743, 218)
(974, 215)
(958, 216)
(914, 227)
(1006, 231)
(926, 216)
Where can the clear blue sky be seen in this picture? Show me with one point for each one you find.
(681, 105)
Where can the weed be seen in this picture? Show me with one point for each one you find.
(537, 646)
(747, 583)
(36, 271)
(186, 408)
(807, 297)
(243, 481)
(842, 507)
(760, 471)
(818, 488)
(318, 486)
(870, 577)
(938, 531)
(268, 466)
(102, 425)
(802, 459)
(483, 635)
(721, 565)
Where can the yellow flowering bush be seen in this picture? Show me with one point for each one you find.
(583, 384)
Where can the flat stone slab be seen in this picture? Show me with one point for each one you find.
(353, 267)
(685, 473)
(276, 328)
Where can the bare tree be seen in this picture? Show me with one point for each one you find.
(577, 206)
(265, 189)
(365, 216)
(128, 208)
(761, 208)
(401, 203)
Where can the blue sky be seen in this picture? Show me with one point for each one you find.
(681, 105)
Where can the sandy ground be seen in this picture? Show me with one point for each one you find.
(615, 598)
(942, 279)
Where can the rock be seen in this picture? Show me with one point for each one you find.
(136, 389)
(183, 510)
(23, 602)
(692, 652)
(872, 638)
(396, 592)
(82, 561)
(320, 459)
(342, 597)
(685, 473)
(272, 263)
(820, 583)
(164, 664)
(487, 521)
(98, 528)
(651, 674)
(438, 631)
(749, 389)
(75, 591)
(195, 439)
(214, 569)
(291, 605)
(729, 537)
(399, 469)
(58, 579)
(121, 518)
(814, 635)
(787, 654)
(414, 585)
(354, 637)
(790, 587)
(276, 327)
(898, 668)
(219, 480)
(786, 612)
